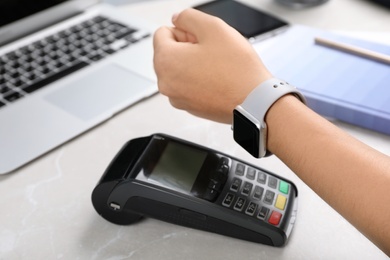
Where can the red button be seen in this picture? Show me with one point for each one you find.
(275, 218)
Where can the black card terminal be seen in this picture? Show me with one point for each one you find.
(176, 181)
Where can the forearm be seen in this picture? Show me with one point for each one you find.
(352, 177)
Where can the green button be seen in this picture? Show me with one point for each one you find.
(283, 187)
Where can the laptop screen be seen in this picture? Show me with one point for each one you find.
(12, 10)
(19, 18)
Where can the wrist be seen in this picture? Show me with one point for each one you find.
(280, 117)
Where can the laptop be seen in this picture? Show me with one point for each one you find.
(66, 66)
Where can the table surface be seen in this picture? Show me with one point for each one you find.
(46, 207)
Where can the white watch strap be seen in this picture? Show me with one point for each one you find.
(259, 101)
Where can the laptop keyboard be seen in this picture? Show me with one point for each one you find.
(34, 66)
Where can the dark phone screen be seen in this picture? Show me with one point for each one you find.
(248, 21)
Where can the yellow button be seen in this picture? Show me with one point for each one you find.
(280, 202)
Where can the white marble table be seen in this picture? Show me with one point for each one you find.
(46, 210)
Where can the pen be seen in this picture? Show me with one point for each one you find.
(353, 50)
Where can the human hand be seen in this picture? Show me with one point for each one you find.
(205, 66)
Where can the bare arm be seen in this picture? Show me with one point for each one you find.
(202, 59)
(350, 176)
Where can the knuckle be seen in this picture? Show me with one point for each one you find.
(176, 104)
(162, 87)
(160, 63)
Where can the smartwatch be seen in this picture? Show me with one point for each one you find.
(249, 127)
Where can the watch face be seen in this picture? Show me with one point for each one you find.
(246, 133)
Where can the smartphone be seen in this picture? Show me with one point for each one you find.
(180, 182)
(251, 23)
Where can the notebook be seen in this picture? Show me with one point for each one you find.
(66, 66)
(336, 84)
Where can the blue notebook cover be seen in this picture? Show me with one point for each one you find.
(336, 84)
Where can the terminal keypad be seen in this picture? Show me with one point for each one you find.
(257, 193)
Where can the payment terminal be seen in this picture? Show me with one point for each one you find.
(176, 181)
